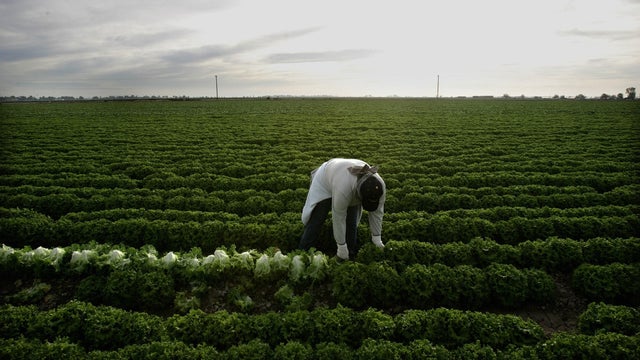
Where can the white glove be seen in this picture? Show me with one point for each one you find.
(377, 241)
(343, 252)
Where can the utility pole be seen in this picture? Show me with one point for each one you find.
(438, 88)
(216, 86)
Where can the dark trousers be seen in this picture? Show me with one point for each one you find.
(312, 229)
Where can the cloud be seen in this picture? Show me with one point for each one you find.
(198, 54)
(605, 68)
(133, 66)
(31, 29)
(148, 38)
(148, 46)
(323, 56)
(36, 14)
(22, 52)
(218, 51)
(271, 39)
(614, 35)
(25, 48)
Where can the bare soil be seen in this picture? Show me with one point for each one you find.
(559, 316)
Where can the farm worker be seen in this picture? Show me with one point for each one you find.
(344, 186)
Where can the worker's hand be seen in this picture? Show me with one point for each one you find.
(343, 252)
(377, 241)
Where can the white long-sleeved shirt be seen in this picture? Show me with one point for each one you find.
(334, 180)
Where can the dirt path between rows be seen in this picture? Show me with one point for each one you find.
(562, 315)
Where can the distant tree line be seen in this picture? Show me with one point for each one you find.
(100, 98)
(630, 95)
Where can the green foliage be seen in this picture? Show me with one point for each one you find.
(341, 332)
(92, 289)
(96, 327)
(561, 346)
(24, 349)
(140, 290)
(486, 252)
(481, 213)
(380, 350)
(335, 325)
(15, 320)
(603, 346)
(32, 294)
(374, 324)
(453, 328)
(600, 251)
(185, 302)
(552, 255)
(489, 169)
(358, 285)
(603, 318)
(331, 351)
(617, 283)
(284, 295)
(293, 350)
(541, 288)
(253, 350)
(508, 285)
(165, 350)
(425, 349)
(466, 287)
(221, 329)
(421, 284)
(474, 351)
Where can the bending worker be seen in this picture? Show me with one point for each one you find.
(344, 186)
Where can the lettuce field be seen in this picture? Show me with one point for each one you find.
(169, 229)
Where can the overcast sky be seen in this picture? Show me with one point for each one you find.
(318, 47)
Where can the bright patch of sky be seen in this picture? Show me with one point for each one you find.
(329, 47)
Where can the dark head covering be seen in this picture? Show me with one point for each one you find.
(371, 191)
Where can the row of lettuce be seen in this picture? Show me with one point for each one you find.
(82, 330)
(258, 163)
(173, 230)
(467, 276)
(605, 346)
(464, 212)
(154, 177)
(56, 201)
(552, 255)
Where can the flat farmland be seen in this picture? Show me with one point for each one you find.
(496, 209)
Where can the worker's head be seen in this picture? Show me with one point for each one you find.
(371, 190)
